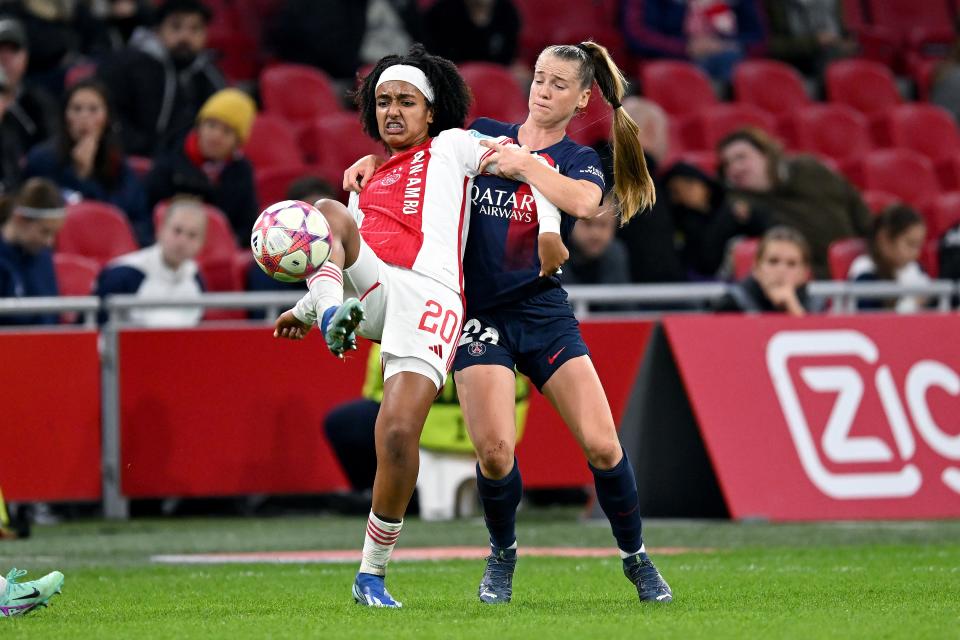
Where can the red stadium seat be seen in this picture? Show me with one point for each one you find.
(334, 142)
(713, 123)
(833, 130)
(272, 143)
(541, 20)
(842, 253)
(706, 161)
(593, 124)
(297, 93)
(76, 275)
(96, 230)
(930, 257)
(744, 256)
(867, 86)
(904, 173)
(496, 93)
(941, 213)
(272, 183)
(773, 86)
(909, 19)
(220, 241)
(242, 260)
(926, 128)
(877, 201)
(681, 88)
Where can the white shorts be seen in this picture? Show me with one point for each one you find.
(416, 319)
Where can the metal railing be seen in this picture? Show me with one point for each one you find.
(696, 296)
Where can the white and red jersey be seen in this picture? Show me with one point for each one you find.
(414, 211)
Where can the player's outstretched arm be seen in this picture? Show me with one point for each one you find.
(287, 326)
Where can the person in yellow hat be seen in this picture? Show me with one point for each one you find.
(210, 164)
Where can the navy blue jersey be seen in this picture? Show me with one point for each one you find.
(500, 262)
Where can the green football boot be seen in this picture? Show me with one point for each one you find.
(339, 324)
(20, 598)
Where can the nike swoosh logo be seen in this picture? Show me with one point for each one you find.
(35, 593)
(554, 356)
(488, 594)
(663, 597)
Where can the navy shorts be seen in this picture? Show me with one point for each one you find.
(536, 336)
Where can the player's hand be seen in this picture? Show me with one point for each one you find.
(289, 327)
(356, 176)
(552, 252)
(512, 161)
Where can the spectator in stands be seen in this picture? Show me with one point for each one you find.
(895, 246)
(714, 34)
(705, 219)
(596, 255)
(160, 81)
(166, 269)
(210, 163)
(798, 191)
(778, 281)
(10, 149)
(26, 240)
(86, 157)
(60, 34)
(808, 34)
(31, 115)
(339, 37)
(949, 254)
(474, 30)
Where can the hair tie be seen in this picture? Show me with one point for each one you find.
(616, 105)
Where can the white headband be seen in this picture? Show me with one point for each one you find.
(410, 74)
(40, 214)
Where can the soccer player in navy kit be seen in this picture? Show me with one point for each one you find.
(518, 315)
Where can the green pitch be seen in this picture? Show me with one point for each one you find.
(843, 580)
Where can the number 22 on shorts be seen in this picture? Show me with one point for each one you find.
(439, 321)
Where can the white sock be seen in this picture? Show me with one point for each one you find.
(3, 585)
(325, 291)
(378, 544)
(624, 554)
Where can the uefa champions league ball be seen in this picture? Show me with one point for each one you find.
(290, 241)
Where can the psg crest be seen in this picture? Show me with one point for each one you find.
(477, 348)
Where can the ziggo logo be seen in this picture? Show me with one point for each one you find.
(838, 446)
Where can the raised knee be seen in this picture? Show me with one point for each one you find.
(496, 458)
(603, 454)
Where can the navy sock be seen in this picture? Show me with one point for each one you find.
(500, 499)
(617, 494)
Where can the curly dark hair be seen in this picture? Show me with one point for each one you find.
(451, 95)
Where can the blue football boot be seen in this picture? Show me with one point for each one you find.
(496, 587)
(370, 591)
(651, 587)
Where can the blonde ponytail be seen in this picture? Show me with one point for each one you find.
(632, 181)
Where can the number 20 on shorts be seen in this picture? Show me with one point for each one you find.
(439, 321)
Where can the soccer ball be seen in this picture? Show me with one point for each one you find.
(290, 241)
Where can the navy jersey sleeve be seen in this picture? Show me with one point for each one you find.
(117, 280)
(584, 164)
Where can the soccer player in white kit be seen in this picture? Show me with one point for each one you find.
(398, 253)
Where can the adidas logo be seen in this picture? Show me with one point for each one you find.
(437, 349)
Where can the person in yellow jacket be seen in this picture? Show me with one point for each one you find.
(350, 426)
